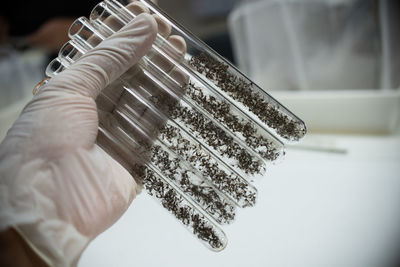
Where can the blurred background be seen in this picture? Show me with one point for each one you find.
(334, 199)
(340, 57)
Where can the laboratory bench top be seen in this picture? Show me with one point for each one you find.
(332, 201)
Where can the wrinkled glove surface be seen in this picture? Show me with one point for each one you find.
(57, 187)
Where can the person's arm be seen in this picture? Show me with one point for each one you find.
(15, 252)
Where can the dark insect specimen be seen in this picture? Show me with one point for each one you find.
(243, 92)
(181, 209)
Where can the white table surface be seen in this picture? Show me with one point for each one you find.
(314, 209)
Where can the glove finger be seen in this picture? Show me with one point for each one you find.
(103, 64)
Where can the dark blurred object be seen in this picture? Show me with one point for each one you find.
(30, 31)
(205, 19)
(41, 23)
(3, 30)
(27, 16)
(211, 8)
(221, 43)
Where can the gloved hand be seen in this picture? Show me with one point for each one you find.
(57, 187)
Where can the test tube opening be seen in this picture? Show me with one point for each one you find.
(54, 67)
(98, 12)
(70, 52)
(105, 20)
(76, 29)
(83, 32)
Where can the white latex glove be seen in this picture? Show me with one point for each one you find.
(57, 187)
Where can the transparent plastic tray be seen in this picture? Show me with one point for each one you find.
(183, 121)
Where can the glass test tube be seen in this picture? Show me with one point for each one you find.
(66, 55)
(189, 91)
(228, 80)
(245, 157)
